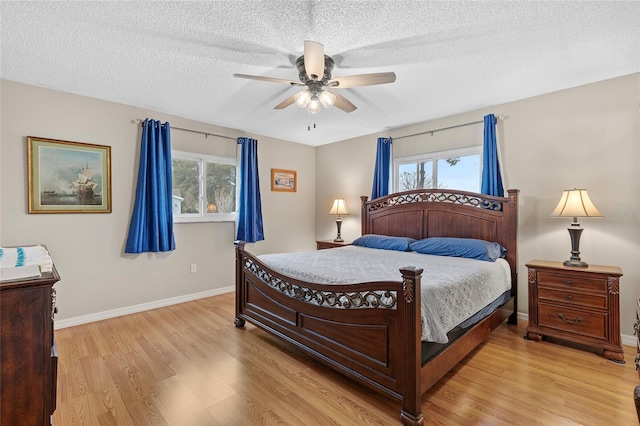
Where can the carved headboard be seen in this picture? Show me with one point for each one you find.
(426, 213)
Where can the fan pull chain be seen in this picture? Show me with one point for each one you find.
(309, 122)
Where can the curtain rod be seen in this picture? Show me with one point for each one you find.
(498, 117)
(206, 134)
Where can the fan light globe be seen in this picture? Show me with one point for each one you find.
(314, 106)
(303, 98)
(327, 98)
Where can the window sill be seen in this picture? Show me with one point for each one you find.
(230, 217)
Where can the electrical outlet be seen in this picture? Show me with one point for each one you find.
(194, 268)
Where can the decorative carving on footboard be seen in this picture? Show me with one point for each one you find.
(331, 299)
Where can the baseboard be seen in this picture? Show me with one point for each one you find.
(626, 339)
(84, 319)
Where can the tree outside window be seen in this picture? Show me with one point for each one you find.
(458, 169)
(204, 187)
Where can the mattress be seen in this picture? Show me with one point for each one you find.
(453, 288)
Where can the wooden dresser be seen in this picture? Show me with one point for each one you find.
(28, 356)
(576, 304)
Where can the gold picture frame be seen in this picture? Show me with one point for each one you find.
(68, 177)
(283, 180)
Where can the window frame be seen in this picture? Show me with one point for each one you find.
(434, 157)
(203, 215)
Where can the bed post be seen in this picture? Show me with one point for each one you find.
(239, 322)
(510, 227)
(364, 220)
(411, 413)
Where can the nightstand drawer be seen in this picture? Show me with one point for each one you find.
(573, 298)
(590, 324)
(572, 281)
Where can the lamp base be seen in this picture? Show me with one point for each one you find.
(575, 263)
(338, 236)
(574, 232)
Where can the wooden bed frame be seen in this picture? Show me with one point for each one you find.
(363, 335)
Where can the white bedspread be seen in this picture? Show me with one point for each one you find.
(453, 289)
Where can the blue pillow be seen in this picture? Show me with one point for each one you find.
(384, 242)
(460, 247)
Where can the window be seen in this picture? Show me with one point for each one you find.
(204, 188)
(456, 169)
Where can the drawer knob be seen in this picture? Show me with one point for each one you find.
(569, 282)
(570, 297)
(563, 318)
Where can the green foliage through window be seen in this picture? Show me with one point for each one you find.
(203, 185)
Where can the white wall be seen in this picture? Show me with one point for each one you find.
(585, 137)
(88, 249)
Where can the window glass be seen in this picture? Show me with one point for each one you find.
(220, 188)
(204, 188)
(186, 185)
(461, 173)
(415, 175)
(456, 169)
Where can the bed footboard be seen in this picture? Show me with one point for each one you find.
(369, 331)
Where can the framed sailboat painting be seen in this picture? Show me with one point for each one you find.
(68, 177)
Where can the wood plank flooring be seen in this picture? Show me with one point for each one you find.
(187, 365)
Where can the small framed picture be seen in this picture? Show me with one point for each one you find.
(68, 177)
(283, 180)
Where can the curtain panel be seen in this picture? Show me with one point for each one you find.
(491, 175)
(249, 225)
(382, 170)
(151, 227)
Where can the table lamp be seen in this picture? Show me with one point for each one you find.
(339, 207)
(575, 203)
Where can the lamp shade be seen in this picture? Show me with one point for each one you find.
(339, 207)
(313, 106)
(302, 98)
(326, 98)
(575, 203)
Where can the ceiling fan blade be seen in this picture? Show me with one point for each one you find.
(362, 80)
(269, 79)
(343, 103)
(282, 105)
(314, 59)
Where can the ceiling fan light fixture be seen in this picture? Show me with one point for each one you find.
(313, 106)
(302, 98)
(327, 98)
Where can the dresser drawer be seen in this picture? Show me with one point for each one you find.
(572, 281)
(589, 324)
(573, 298)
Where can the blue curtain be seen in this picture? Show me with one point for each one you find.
(382, 169)
(151, 227)
(491, 176)
(249, 228)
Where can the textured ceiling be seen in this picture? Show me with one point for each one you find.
(449, 56)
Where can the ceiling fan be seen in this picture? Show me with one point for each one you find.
(314, 68)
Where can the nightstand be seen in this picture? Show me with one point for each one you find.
(327, 244)
(580, 305)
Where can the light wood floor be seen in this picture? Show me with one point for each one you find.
(188, 365)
